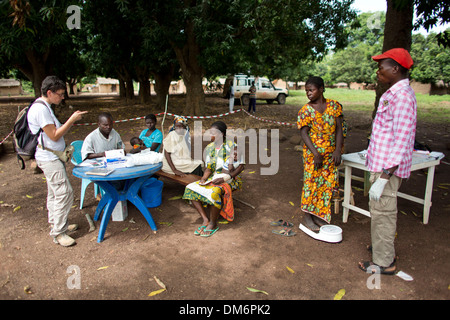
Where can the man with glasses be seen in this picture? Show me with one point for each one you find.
(59, 189)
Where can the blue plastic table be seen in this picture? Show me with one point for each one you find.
(133, 177)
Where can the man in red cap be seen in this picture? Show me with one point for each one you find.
(389, 156)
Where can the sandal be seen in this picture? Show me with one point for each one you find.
(199, 230)
(287, 232)
(281, 223)
(367, 267)
(211, 232)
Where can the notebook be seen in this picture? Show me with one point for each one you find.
(100, 171)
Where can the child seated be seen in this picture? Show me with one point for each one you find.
(137, 145)
(231, 165)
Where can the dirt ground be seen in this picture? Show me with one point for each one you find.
(242, 254)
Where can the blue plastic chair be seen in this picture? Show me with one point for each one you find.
(76, 159)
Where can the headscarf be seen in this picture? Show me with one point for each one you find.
(183, 120)
(180, 119)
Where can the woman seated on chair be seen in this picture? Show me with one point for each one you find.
(214, 191)
(177, 151)
(151, 136)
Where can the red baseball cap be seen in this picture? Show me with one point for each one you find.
(400, 55)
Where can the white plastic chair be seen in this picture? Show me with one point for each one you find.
(76, 159)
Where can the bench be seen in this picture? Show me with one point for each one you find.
(187, 179)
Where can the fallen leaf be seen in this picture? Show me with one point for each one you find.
(223, 222)
(102, 268)
(123, 230)
(252, 171)
(154, 293)
(6, 205)
(339, 294)
(175, 198)
(16, 208)
(29, 197)
(159, 282)
(166, 223)
(291, 203)
(290, 270)
(256, 290)
(310, 265)
(403, 212)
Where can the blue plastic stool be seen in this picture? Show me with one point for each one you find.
(76, 159)
(151, 192)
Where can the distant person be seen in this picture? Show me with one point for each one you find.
(102, 139)
(151, 136)
(59, 189)
(389, 156)
(231, 102)
(320, 124)
(252, 101)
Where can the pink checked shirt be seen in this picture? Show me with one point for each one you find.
(394, 130)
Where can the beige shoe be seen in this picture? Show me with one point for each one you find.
(70, 228)
(64, 240)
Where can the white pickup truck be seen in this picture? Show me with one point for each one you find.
(265, 90)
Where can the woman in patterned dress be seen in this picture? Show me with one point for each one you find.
(320, 124)
(211, 191)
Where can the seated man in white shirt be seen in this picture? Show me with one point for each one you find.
(102, 139)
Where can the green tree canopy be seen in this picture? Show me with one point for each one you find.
(431, 60)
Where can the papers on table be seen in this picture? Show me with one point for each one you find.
(130, 160)
(97, 162)
(100, 171)
(115, 158)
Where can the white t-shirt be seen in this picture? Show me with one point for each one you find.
(96, 142)
(38, 117)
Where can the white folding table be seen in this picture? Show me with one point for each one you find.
(419, 161)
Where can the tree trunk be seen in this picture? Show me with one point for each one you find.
(162, 85)
(397, 33)
(192, 72)
(144, 85)
(144, 91)
(122, 90)
(127, 81)
(129, 89)
(36, 71)
(195, 96)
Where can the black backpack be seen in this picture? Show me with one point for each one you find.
(25, 141)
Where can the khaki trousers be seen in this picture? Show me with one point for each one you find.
(384, 221)
(59, 195)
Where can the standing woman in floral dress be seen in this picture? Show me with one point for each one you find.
(320, 124)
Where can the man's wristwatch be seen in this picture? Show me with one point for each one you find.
(387, 172)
